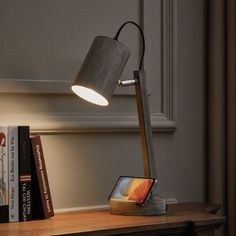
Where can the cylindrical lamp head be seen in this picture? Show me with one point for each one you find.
(101, 70)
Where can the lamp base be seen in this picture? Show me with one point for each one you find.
(155, 206)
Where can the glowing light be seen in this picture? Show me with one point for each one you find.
(89, 95)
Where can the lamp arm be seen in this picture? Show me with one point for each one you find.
(144, 121)
(145, 125)
(143, 109)
(143, 39)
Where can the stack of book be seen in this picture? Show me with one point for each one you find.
(24, 187)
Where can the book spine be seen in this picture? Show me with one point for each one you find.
(4, 205)
(13, 174)
(42, 178)
(24, 174)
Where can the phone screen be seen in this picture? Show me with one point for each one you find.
(133, 188)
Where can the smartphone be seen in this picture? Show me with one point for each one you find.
(136, 189)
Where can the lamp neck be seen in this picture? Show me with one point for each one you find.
(145, 125)
(142, 35)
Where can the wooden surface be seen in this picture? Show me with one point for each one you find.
(181, 218)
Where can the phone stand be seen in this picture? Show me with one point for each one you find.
(155, 205)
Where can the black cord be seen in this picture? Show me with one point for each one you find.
(143, 39)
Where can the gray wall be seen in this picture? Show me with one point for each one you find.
(83, 166)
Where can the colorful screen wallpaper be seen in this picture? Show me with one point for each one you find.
(129, 188)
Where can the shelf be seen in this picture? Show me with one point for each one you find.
(178, 219)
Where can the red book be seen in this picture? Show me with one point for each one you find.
(42, 207)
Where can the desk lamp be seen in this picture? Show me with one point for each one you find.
(96, 81)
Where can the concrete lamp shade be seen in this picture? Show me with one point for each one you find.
(101, 70)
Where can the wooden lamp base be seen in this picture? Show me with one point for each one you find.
(154, 206)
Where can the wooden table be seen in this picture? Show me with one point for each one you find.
(181, 219)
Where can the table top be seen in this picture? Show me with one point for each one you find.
(104, 223)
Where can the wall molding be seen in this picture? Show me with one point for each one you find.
(169, 59)
(37, 86)
(82, 209)
(61, 122)
(34, 86)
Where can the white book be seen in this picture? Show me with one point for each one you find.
(3, 166)
(13, 174)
